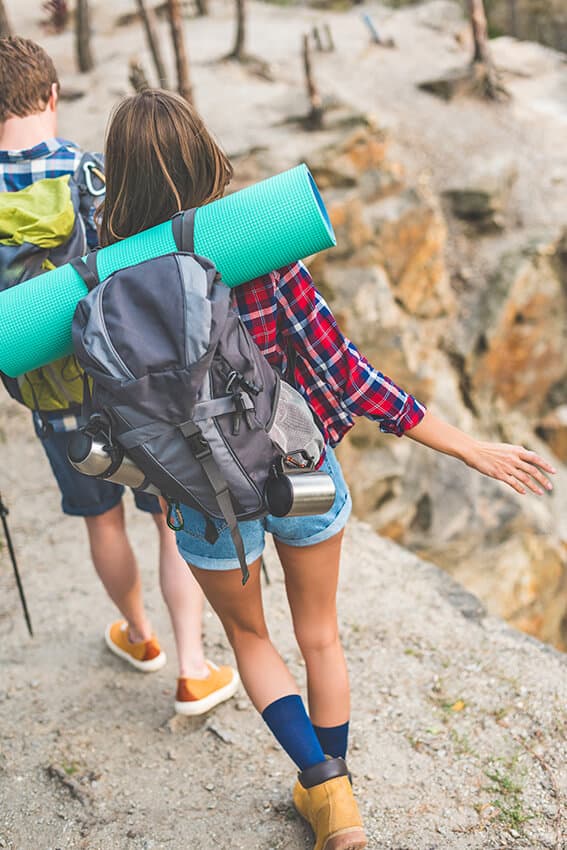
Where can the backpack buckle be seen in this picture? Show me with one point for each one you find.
(199, 447)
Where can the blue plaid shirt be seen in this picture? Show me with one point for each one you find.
(21, 168)
(51, 158)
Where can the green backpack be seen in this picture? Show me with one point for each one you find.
(42, 227)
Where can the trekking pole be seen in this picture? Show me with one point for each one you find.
(4, 513)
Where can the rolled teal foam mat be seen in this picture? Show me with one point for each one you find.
(246, 234)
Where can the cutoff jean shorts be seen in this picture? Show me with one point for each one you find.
(294, 531)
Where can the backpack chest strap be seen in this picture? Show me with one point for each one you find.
(202, 410)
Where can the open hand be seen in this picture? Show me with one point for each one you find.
(514, 465)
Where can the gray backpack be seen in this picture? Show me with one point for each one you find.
(182, 387)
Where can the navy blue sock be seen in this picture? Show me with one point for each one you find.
(333, 739)
(289, 723)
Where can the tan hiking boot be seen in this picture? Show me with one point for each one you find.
(323, 796)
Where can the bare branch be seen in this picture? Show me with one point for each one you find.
(5, 28)
(181, 61)
(315, 117)
(85, 59)
(137, 75)
(149, 20)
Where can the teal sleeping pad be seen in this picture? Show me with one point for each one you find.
(246, 234)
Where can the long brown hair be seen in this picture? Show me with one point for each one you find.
(159, 159)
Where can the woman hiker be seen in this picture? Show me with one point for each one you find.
(159, 135)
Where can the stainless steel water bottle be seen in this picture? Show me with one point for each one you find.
(90, 455)
(300, 493)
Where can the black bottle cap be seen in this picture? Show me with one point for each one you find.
(79, 447)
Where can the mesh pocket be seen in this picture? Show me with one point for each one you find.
(293, 428)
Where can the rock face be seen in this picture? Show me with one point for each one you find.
(483, 199)
(521, 353)
(531, 20)
(494, 364)
(553, 429)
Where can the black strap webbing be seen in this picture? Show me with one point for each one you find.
(183, 225)
(87, 270)
(202, 452)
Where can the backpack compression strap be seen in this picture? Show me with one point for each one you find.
(87, 270)
(202, 452)
(183, 228)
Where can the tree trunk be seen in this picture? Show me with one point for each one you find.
(317, 38)
(150, 26)
(512, 18)
(238, 52)
(315, 117)
(480, 32)
(137, 76)
(83, 37)
(5, 28)
(202, 7)
(181, 61)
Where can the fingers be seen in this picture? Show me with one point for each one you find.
(535, 460)
(527, 472)
(534, 472)
(510, 479)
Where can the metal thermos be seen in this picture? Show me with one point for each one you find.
(89, 454)
(300, 494)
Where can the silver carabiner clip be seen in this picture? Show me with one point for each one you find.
(89, 168)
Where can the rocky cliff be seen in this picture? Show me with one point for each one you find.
(450, 274)
(487, 351)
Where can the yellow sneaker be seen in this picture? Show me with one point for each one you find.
(328, 805)
(146, 655)
(196, 696)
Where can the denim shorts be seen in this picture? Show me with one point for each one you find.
(80, 494)
(294, 531)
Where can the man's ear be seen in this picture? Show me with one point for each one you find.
(53, 97)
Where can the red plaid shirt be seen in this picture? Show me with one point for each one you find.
(283, 308)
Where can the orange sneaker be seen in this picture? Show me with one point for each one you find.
(146, 655)
(196, 696)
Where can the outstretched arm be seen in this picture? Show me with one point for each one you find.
(514, 465)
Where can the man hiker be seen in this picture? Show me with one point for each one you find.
(48, 192)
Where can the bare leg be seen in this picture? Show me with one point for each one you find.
(262, 670)
(116, 566)
(311, 576)
(184, 600)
